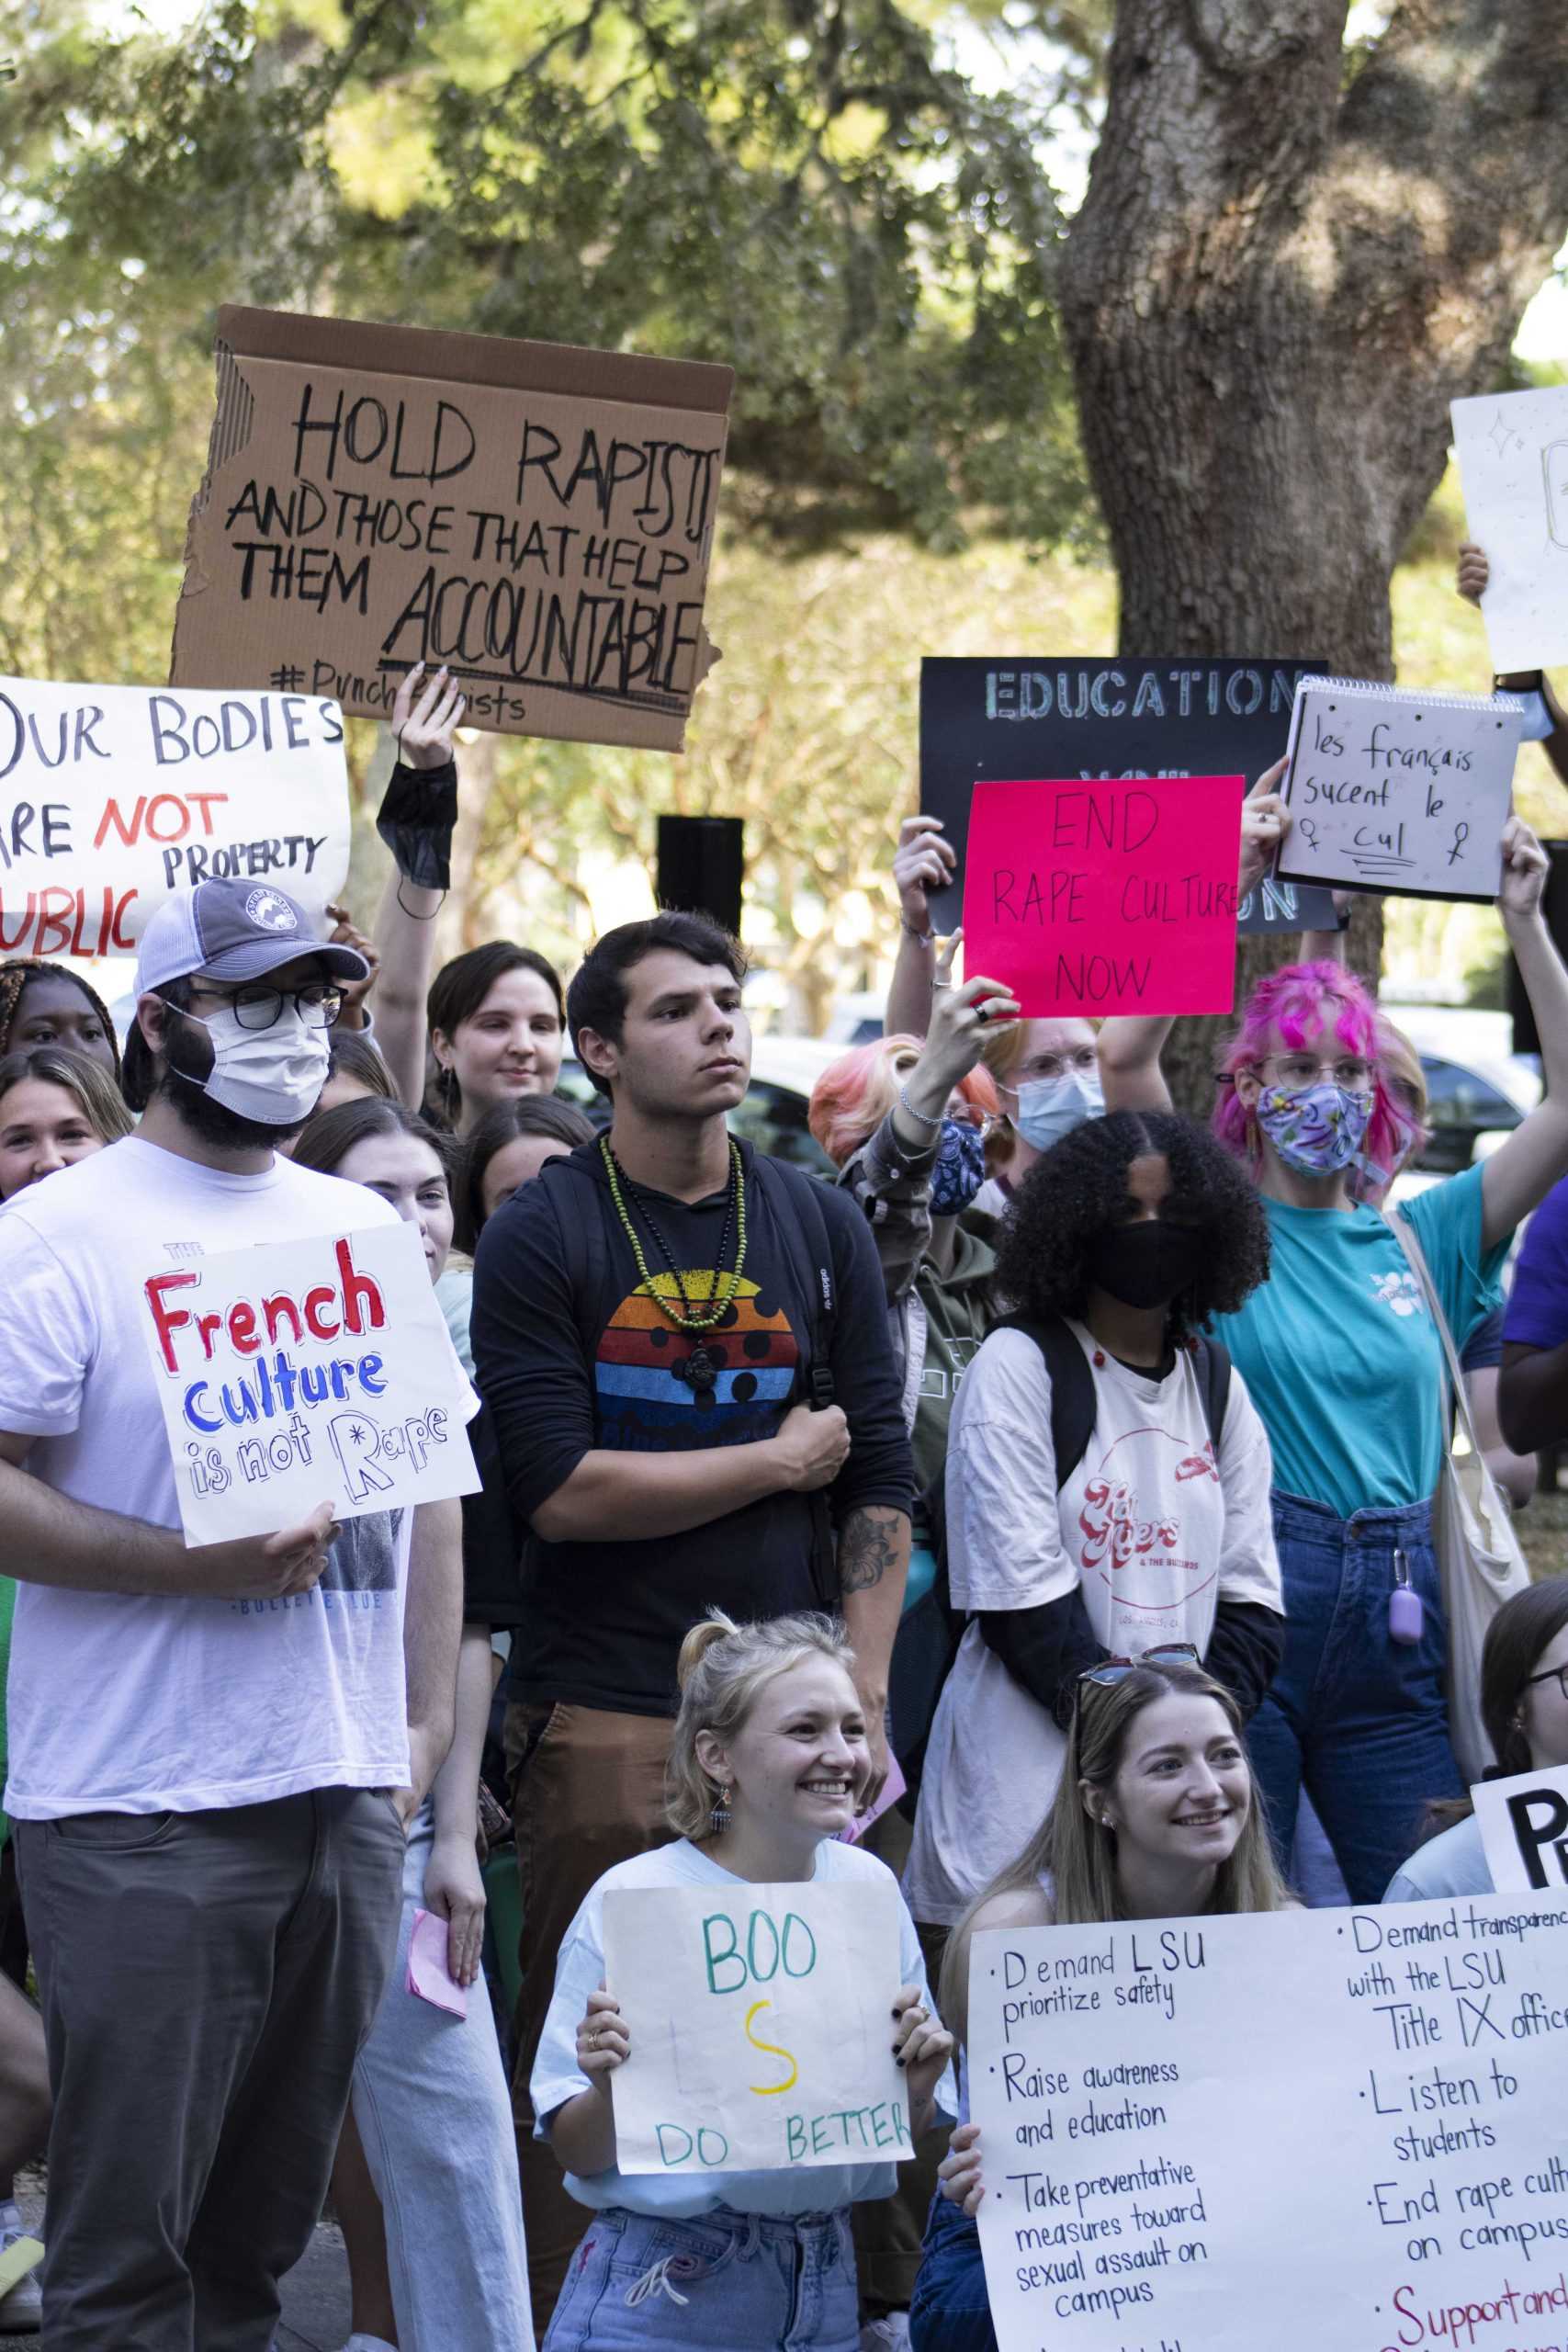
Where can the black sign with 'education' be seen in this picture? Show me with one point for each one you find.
(1015, 716)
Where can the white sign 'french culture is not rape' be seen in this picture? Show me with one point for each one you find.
(300, 1372)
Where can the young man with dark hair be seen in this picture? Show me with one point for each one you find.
(211, 1754)
(683, 1349)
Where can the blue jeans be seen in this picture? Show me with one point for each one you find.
(950, 2312)
(1359, 1718)
(434, 2109)
(722, 2283)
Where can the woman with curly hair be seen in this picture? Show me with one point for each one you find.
(46, 1004)
(1107, 1477)
(1347, 1365)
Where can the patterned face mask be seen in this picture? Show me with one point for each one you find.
(960, 1168)
(1318, 1130)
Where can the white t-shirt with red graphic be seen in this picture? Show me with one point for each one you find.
(1151, 1525)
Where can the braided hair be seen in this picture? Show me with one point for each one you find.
(20, 970)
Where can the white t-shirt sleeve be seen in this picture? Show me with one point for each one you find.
(579, 1970)
(48, 1335)
(1250, 1564)
(1004, 1536)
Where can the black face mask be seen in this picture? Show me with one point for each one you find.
(1149, 1263)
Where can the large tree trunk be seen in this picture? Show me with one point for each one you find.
(1276, 284)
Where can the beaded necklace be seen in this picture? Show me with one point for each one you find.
(701, 1367)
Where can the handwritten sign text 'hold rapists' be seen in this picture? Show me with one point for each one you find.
(111, 796)
(538, 518)
(300, 1372)
(1326, 2130)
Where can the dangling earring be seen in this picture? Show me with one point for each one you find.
(447, 1087)
(718, 1819)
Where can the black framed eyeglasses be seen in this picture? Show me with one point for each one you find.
(1112, 1670)
(318, 1004)
(1558, 1674)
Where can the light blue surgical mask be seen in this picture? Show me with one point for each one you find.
(1537, 722)
(1050, 1108)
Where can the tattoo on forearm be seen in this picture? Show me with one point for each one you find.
(869, 1545)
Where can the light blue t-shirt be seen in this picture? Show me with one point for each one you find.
(579, 1970)
(1339, 1354)
(1454, 1863)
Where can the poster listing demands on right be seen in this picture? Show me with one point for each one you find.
(1336, 2131)
(537, 518)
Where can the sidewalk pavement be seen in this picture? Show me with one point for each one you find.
(315, 2294)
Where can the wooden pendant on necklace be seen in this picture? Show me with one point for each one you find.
(700, 1369)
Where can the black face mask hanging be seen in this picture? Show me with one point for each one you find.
(1147, 1264)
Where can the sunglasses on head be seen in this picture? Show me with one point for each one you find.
(1112, 1670)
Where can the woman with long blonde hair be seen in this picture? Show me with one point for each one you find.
(1157, 1816)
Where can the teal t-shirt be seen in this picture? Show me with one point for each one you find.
(1339, 1354)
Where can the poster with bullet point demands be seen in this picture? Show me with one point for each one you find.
(1336, 2131)
(761, 2025)
(302, 1372)
(1105, 896)
(112, 796)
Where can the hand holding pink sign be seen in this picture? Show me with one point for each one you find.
(1114, 895)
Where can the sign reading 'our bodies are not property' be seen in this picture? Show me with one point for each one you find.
(1106, 898)
(539, 518)
(1326, 2130)
(760, 2027)
(302, 1372)
(112, 796)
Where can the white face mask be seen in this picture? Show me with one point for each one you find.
(1050, 1108)
(270, 1075)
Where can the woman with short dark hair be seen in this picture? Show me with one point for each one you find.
(1107, 1476)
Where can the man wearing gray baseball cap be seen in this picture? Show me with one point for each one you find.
(212, 1750)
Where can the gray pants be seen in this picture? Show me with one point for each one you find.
(207, 1981)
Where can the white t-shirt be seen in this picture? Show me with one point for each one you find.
(579, 1970)
(1151, 1527)
(122, 1704)
(1453, 1863)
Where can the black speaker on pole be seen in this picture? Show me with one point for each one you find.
(1554, 906)
(701, 863)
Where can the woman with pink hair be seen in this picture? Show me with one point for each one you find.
(1346, 1366)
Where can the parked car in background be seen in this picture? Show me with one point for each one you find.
(1478, 1089)
(772, 1115)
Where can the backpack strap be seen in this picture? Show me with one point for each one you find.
(1072, 1387)
(796, 1200)
(1213, 1364)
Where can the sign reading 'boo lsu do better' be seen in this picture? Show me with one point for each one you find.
(759, 2024)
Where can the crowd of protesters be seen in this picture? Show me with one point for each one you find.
(1067, 1468)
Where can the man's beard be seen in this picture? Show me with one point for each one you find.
(182, 1088)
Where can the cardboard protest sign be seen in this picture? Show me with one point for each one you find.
(1397, 791)
(302, 1371)
(1523, 1828)
(1335, 2130)
(111, 796)
(537, 518)
(1106, 898)
(1513, 461)
(1010, 715)
(760, 2027)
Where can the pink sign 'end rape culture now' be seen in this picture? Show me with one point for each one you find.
(1106, 895)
